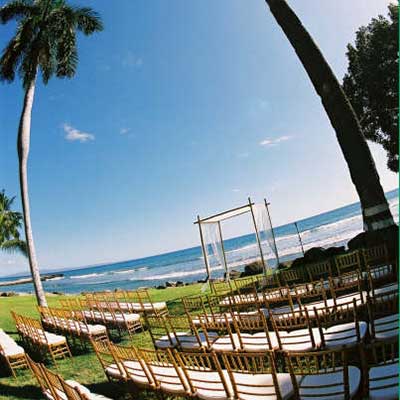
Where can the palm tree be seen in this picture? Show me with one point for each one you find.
(10, 224)
(44, 42)
(376, 212)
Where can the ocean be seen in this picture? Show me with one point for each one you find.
(332, 228)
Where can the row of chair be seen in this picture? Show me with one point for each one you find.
(96, 309)
(72, 323)
(373, 258)
(326, 327)
(256, 376)
(37, 339)
(12, 354)
(54, 387)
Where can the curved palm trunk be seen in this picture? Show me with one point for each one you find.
(24, 132)
(376, 212)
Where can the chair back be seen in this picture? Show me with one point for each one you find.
(320, 270)
(291, 276)
(348, 262)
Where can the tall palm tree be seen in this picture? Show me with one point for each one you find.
(376, 212)
(10, 224)
(45, 43)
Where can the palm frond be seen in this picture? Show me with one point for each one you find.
(15, 245)
(16, 10)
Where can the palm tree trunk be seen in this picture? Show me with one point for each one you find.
(376, 212)
(24, 133)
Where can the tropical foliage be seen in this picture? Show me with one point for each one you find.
(371, 82)
(10, 224)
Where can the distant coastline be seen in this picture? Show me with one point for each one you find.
(22, 281)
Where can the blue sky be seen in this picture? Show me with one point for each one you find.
(179, 108)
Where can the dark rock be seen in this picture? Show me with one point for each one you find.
(233, 274)
(57, 293)
(179, 283)
(8, 294)
(254, 268)
(160, 287)
(170, 284)
(202, 281)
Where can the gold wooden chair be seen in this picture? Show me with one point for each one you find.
(254, 376)
(252, 332)
(278, 300)
(218, 333)
(221, 287)
(310, 295)
(323, 375)
(294, 331)
(204, 375)
(383, 315)
(380, 361)
(347, 287)
(135, 368)
(161, 335)
(113, 369)
(267, 282)
(12, 354)
(41, 378)
(291, 277)
(321, 270)
(348, 262)
(339, 325)
(166, 374)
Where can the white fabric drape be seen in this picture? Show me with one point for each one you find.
(213, 246)
(264, 229)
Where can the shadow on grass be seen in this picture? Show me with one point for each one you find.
(21, 392)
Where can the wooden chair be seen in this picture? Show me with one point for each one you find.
(41, 378)
(291, 277)
(166, 374)
(310, 295)
(141, 302)
(218, 333)
(348, 262)
(113, 369)
(346, 287)
(294, 331)
(254, 376)
(244, 285)
(12, 354)
(186, 333)
(380, 362)
(135, 368)
(221, 287)
(252, 332)
(267, 282)
(376, 256)
(339, 326)
(323, 375)
(161, 336)
(205, 377)
(278, 300)
(321, 270)
(383, 315)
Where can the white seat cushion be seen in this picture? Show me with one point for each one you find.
(168, 379)
(299, 339)
(376, 391)
(259, 341)
(386, 327)
(113, 371)
(190, 342)
(86, 391)
(137, 373)
(326, 393)
(256, 386)
(127, 317)
(96, 329)
(224, 343)
(208, 384)
(343, 334)
(394, 287)
(360, 298)
(12, 350)
(54, 339)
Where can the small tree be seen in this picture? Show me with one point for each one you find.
(10, 224)
(45, 43)
(371, 82)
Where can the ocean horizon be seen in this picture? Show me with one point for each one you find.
(331, 228)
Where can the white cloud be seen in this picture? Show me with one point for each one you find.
(124, 131)
(275, 141)
(131, 60)
(236, 190)
(73, 134)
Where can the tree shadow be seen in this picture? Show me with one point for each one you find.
(21, 392)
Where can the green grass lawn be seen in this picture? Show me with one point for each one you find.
(84, 367)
